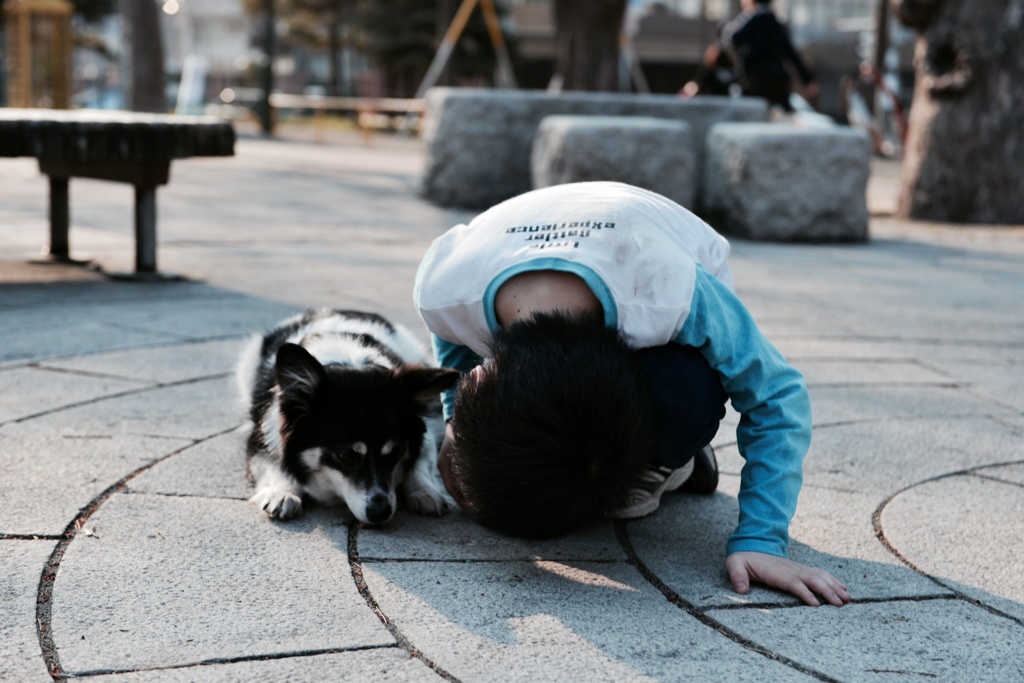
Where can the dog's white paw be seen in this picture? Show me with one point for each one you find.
(428, 500)
(278, 504)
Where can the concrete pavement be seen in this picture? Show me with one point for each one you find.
(128, 551)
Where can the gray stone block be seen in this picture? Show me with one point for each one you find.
(777, 182)
(655, 154)
(478, 142)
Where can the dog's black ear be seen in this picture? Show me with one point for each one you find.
(425, 384)
(299, 375)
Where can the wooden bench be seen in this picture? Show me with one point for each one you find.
(110, 145)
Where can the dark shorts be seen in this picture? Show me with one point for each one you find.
(690, 401)
(774, 87)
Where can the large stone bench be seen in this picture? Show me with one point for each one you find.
(655, 154)
(777, 182)
(478, 142)
(110, 145)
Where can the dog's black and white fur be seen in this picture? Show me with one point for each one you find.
(343, 408)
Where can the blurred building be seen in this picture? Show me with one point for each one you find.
(211, 45)
(669, 37)
(208, 40)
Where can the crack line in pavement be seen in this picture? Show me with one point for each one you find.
(995, 417)
(484, 560)
(698, 614)
(42, 367)
(886, 385)
(998, 402)
(860, 601)
(44, 593)
(876, 523)
(357, 576)
(29, 537)
(989, 477)
(170, 494)
(230, 660)
(141, 346)
(924, 341)
(999, 420)
(120, 394)
(901, 672)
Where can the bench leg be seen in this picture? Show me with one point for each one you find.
(145, 229)
(59, 219)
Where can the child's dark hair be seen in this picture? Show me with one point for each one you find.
(550, 436)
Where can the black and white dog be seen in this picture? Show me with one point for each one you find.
(344, 408)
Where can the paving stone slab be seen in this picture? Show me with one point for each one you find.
(1012, 421)
(997, 381)
(799, 348)
(21, 564)
(106, 316)
(34, 304)
(192, 410)
(29, 391)
(886, 456)
(19, 345)
(946, 640)
(852, 372)
(982, 518)
(456, 537)
(203, 314)
(385, 664)
(833, 405)
(214, 468)
(1008, 473)
(683, 544)
(172, 581)
(916, 321)
(160, 364)
(555, 621)
(51, 472)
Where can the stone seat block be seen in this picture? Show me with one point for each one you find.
(655, 154)
(777, 182)
(478, 142)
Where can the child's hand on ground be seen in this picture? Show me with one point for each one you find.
(785, 574)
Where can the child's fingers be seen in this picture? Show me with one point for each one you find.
(828, 587)
(800, 590)
(739, 577)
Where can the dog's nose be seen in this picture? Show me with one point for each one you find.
(378, 509)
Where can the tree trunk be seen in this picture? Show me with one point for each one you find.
(587, 43)
(966, 138)
(143, 76)
(334, 22)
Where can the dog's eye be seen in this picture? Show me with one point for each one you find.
(346, 457)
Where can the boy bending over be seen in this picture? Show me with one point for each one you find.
(612, 340)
